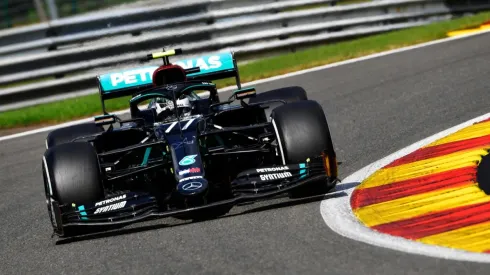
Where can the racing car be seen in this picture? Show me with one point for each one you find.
(183, 152)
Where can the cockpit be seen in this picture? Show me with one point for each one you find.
(172, 101)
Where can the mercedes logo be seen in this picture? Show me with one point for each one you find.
(191, 186)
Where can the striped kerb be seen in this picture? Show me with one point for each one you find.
(431, 195)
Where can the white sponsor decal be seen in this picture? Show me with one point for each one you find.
(213, 62)
(131, 77)
(276, 176)
(118, 198)
(272, 169)
(190, 178)
(110, 207)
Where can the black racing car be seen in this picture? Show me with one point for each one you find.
(185, 155)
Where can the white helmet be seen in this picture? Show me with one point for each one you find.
(183, 106)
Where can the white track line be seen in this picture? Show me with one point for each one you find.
(338, 214)
(293, 74)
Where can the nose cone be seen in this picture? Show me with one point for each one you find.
(192, 186)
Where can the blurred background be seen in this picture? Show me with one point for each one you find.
(17, 13)
(52, 50)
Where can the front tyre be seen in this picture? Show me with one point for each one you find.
(71, 175)
(302, 131)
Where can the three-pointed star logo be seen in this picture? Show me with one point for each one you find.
(191, 186)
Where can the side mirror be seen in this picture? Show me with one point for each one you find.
(245, 93)
(105, 119)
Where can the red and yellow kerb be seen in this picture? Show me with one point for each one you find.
(432, 195)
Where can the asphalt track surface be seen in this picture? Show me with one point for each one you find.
(374, 107)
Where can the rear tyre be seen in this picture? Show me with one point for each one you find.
(302, 131)
(287, 94)
(67, 134)
(71, 175)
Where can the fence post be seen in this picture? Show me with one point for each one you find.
(53, 10)
(41, 13)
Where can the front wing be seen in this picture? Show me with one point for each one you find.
(250, 185)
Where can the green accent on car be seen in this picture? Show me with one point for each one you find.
(82, 208)
(302, 171)
(146, 156)
(212, 63)
(116, 81)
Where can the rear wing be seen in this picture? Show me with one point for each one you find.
(124, 83)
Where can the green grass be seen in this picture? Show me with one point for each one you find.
(90, 105)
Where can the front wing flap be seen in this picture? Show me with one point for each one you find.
(265, 179)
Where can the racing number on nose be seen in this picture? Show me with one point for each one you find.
(187, 160)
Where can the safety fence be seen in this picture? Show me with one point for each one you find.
(61, 59)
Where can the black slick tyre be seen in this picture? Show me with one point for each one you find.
(71, 175)
(67, 134)
(74, 173)
(302, 131)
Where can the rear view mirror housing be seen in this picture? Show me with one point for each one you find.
(245, 93)
(105, 119)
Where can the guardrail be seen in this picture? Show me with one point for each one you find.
(264, 29)
(98, 21)
(106, 23)
(21, 12)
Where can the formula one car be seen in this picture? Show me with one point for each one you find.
(187, 154)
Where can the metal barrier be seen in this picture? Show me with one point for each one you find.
(100, 20)
(263, 29)
(105, 23)
(22, 12)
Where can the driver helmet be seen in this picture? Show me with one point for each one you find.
(184, 106)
